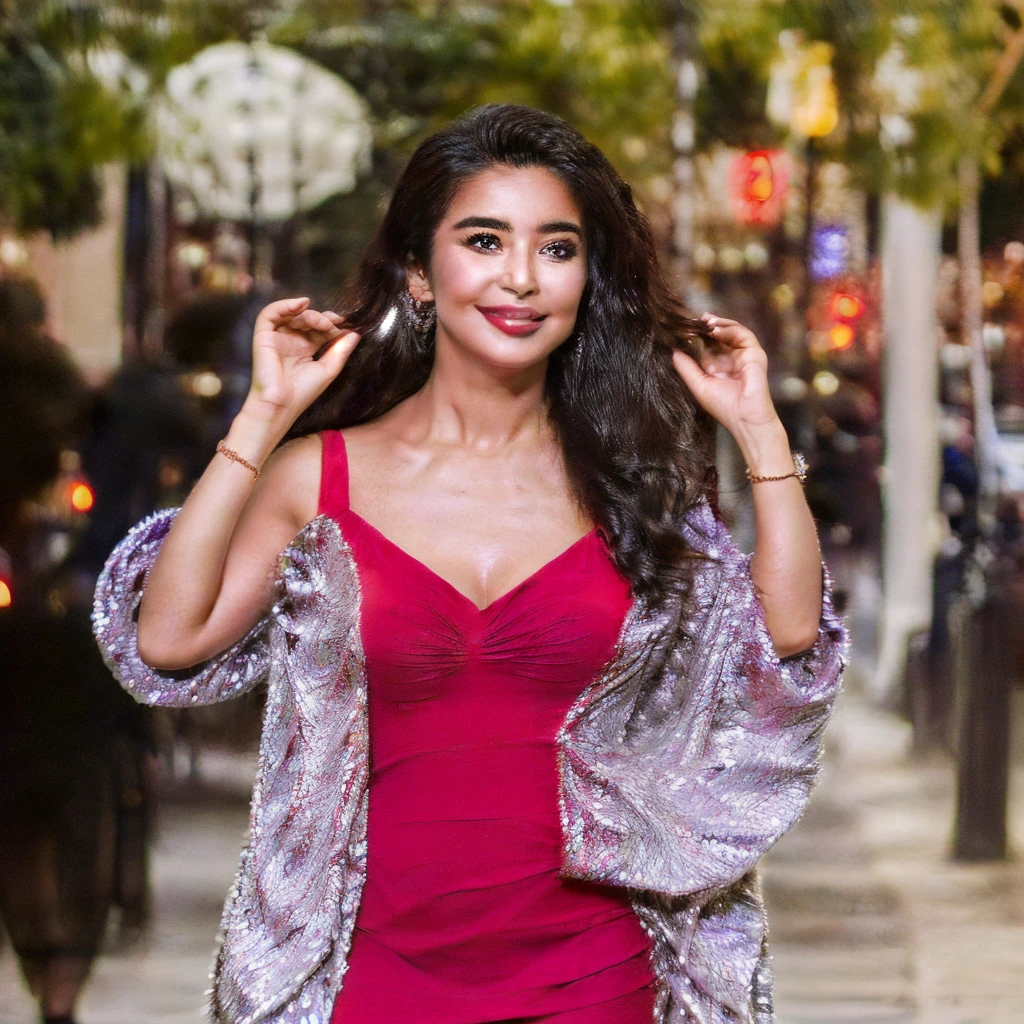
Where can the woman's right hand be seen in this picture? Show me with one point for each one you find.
(285, 377)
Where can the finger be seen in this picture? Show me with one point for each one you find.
(276, 314)
(312, 320)
(334, 357)
(709, 317)
(732, 334)
(690, 370)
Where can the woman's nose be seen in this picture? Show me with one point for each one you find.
(519, 274)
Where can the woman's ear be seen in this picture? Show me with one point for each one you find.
(419, 286)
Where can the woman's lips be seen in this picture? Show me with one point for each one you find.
(516, 320)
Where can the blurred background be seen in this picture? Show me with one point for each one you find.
(844, 176)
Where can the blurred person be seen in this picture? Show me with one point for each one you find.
(958, 486)
(532, 718)
(151, 434)
(71, 745)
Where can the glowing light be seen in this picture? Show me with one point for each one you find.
(81, 497)
(830, 251)
(756, 255)
(1014, 252)
(818, 113)
(825, 383)
(992, 293)
(5, 595)
(801, 92)
(841, 336)
(730, 259)
(757, 185)
(783, 297)
(793, 388)
(206, 384)
(704, 256)
(844, 306)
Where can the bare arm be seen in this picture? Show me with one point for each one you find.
(213, 578)
(731, 383)
(786, 565)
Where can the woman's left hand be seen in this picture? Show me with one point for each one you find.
(731, 381)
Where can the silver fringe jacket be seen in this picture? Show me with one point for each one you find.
(685, 759)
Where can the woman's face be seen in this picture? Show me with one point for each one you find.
(508, 267)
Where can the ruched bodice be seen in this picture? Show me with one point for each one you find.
(463, 918)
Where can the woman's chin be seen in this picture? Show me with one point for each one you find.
(510, 353)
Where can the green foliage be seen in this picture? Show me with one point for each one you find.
(954, 46)
(604, 65)
(601, 64)
(58, 122)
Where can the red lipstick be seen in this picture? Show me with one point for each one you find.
(517, 320)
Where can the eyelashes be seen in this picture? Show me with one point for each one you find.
(566, 249)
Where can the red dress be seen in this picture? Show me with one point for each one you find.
(463, 918)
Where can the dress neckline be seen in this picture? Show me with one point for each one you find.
(334, 500)
(564, 553)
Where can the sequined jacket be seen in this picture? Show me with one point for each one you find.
(685, 759)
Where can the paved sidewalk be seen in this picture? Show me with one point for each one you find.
(163, 979)
(870, 921)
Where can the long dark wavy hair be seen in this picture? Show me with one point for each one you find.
(636, 444)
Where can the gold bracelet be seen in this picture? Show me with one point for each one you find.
(799, 471)
(235, 457)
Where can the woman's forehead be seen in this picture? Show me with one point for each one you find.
(523, 197)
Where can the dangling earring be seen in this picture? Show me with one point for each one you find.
(420, 315)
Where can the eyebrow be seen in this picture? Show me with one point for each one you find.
(503, 225)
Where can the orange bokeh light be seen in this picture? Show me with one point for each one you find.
(841, 335)
(81, 497)
(845, 306)
(5, 595)
(760, 181)
(757, 186)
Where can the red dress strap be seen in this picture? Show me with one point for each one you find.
(333, 474)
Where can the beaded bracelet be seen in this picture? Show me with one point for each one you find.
(235, 457)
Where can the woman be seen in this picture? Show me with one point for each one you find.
(500, 550)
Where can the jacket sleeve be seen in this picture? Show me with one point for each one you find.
(116, 601)
(723, 740)
(750, 749)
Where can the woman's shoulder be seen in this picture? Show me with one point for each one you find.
(292, 476)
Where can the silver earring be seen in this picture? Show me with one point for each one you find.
(420, 315)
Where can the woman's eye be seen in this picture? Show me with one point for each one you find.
(473, 241)
(562, 250)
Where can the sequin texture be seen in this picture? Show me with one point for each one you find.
(690, 754)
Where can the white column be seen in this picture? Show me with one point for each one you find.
(911, 246)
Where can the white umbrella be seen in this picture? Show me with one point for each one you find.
(257, 132)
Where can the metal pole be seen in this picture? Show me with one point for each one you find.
(983, 778)
(254, 180)
(972, 316)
